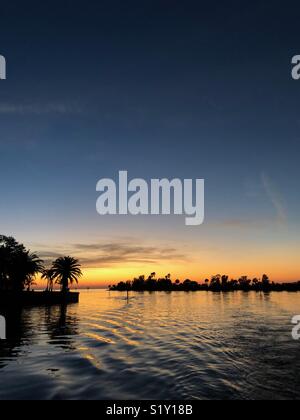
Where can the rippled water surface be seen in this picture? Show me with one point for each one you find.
(154, 346)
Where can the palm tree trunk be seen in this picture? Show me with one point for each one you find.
(65, 284)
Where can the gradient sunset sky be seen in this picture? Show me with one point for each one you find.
(161, 89)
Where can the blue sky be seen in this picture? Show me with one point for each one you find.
(161, 89)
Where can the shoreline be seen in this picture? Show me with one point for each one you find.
(8, 298)
(291, 288)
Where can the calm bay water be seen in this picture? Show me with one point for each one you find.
(154, 346)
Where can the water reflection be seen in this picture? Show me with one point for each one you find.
(154, 345)
(61, 326)
(25, 326)
(15, 333)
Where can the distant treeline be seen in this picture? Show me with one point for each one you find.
(217, 283)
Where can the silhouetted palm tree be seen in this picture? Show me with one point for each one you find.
(66, 271)
(32, 265)
(28, 266)
(18, 266)
(265, 280)
(49, 275)
(29, 282)
(224, 280)
(216, 281)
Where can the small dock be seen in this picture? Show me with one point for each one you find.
(8, 298)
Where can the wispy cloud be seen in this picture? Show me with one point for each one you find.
(246, 223)
(264, 188)
(275, 197)
(49, 256)
(97, 255)
(39, 109)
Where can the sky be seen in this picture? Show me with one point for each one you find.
(161, 89)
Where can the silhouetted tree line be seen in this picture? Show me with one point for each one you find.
(19, 268)
(217, 283)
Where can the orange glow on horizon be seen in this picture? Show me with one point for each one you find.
(103, 277)
(197, 258)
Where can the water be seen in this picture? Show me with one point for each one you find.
(154, 346)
